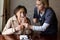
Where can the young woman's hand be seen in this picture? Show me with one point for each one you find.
(26, 25)
(20, 27)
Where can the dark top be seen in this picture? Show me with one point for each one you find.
(48, 17)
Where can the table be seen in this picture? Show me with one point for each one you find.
(36, 38)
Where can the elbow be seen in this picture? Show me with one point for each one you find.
(3, 33)
(43, 29)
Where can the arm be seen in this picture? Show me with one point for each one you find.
(35, 15)
(7, 30)
(40, 28)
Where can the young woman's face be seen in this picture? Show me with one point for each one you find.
(39, 5)
(21, 13)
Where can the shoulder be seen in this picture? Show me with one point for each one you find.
(35, 8)
(49, 11)
(11, 18)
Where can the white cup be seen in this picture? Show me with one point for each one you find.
(24, 37)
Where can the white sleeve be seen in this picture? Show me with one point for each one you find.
(40, 28)
(7, 30)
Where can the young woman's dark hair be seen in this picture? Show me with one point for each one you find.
(18, 8)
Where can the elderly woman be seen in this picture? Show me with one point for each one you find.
(16, 23)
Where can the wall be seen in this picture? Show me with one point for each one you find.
(29, 4)
(55, 4)
(1, 12)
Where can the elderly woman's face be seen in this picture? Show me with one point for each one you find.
(39, 5)
(21, 13)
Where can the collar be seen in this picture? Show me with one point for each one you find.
(14, 18)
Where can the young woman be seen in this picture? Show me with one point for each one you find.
(15, 24)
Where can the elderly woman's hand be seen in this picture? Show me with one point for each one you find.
(35, 20)
(27, 26)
